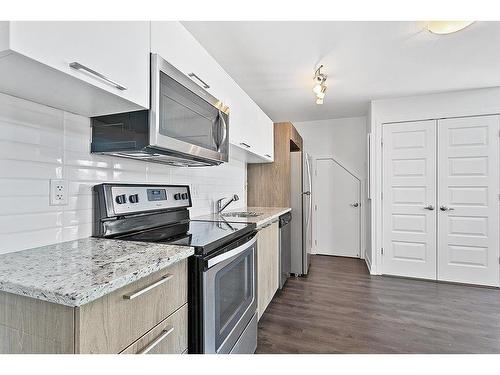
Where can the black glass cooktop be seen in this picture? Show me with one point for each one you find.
(205, 236)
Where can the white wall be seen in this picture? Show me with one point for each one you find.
(38, 143)
(434, 106)
(343, 139)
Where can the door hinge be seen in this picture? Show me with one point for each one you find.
(382, 251)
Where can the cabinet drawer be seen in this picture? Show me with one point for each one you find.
(113, 322)
(168, 337)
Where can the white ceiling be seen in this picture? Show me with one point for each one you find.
(274, 62)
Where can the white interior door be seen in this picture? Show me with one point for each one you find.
(468, 193)
(337, 197)
(409, 199)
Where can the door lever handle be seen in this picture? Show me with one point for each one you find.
(429, 207)
(446, 208)
(355, 204)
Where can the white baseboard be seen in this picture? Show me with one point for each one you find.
(368, 263)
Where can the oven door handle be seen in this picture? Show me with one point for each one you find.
(231, 253)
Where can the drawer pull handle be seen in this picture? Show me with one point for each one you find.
(78, 66)
(162, 336)
(269, 156)
(137, 293)
(245, 144)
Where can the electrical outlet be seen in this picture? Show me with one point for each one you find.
(58, 192)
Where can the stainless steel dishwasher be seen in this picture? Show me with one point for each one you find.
(285, 247)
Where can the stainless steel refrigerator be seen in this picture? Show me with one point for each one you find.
(301, 198)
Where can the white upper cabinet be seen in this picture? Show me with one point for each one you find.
(86, 67)
(250, 130)
(96, 68)
(176, 45)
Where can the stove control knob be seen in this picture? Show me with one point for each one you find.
(134, 198)
(121, 199)
(184, 196)
(177, 196)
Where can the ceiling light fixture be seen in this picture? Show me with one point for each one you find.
(319, 85)
(447, 27)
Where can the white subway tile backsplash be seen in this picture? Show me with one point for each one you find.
(30, 222)
(39, 143)
(25, 240)
(10, 150)
(10, 187)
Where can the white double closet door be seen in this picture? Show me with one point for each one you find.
(441, 199)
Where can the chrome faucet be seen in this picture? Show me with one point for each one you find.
(221, 207)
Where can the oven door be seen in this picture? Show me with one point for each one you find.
(229, 298)
(185, 118)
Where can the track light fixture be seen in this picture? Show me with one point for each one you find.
(319, 85)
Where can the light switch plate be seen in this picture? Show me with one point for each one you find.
(58, 192)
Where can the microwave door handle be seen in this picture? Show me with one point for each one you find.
(224, 130)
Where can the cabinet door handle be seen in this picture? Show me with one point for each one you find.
(204, 84)
(245, 144)
(269, 156)
(139, 292)
(162, 336)
(429, 207)
(78, 66)
(267, 225)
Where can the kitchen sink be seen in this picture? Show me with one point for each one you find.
(242, 214)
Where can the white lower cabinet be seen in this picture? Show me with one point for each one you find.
(440, 199)
(86, 67)
(267, 265)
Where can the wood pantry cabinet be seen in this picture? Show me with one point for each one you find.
(267, 265)
(269, 184)
(146, 316)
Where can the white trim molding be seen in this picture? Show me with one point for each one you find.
(362, 199)
(424, 107)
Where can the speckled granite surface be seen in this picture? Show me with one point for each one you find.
(77, 272)
(267, 214)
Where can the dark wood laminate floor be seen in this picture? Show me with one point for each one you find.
(340, 308)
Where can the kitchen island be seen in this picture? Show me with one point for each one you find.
(93, 296)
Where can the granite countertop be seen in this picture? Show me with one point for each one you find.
(267, 214)
(77, 272)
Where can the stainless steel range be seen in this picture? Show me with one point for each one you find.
(222, 299)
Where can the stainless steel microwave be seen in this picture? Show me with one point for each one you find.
(185, 125)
